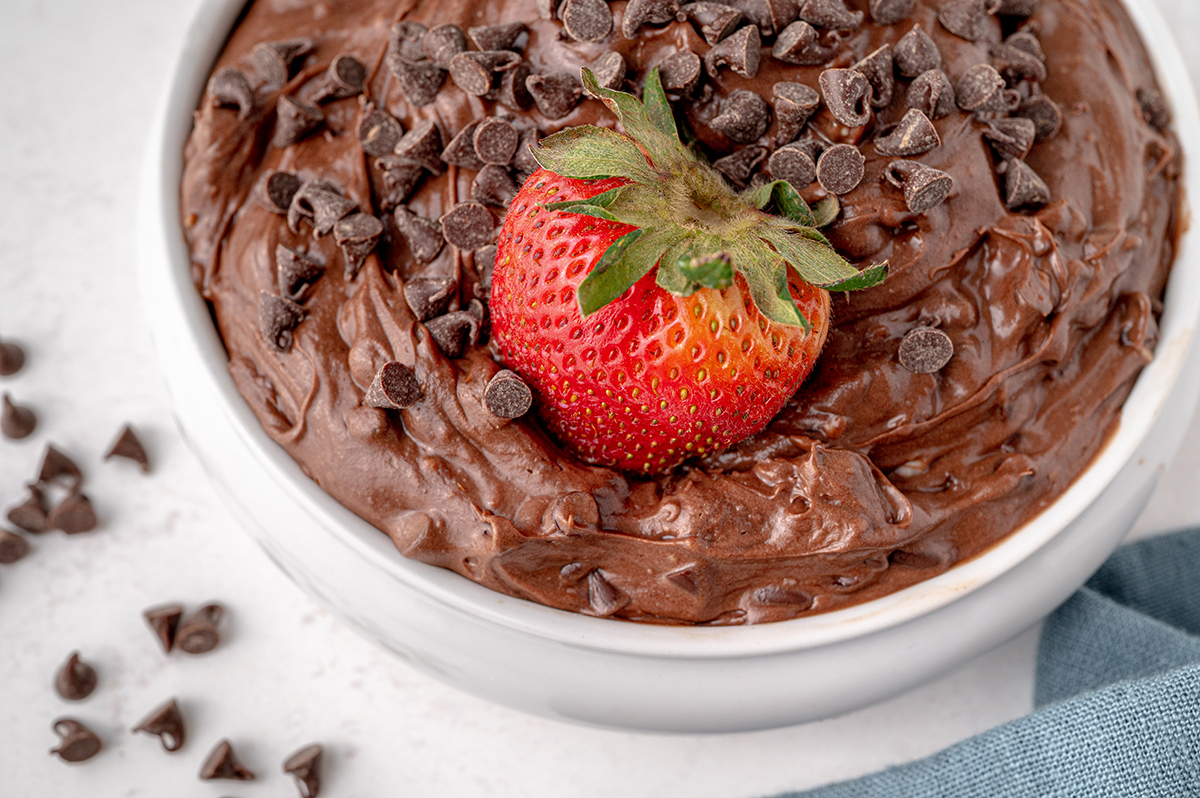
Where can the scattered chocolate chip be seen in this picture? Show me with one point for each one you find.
(889, 12)
(461, 149)
(1045, 114)
(847, 96)
(305, 766)
(400, 178)
(406, 40)
(228, 88)
(555, 94)
(274, 191)
(545, 9)
(1011, 137)
(741, 52)
(197, 634)
(924, 187)
(680, 72)
(1023, 187)
(378, 133)
(13, 547)
(322, 204)
(277, 317)
(73, 515)
(813, 146)
(496, 37)
(395, 386)
(344, 78)
(739, 166)
(507, 395)
(164, 620)
(468, 225)
(879, 70)
(294, 119)
(275, 60)
(794, 104)
(75, 680)
(967, 19)
(925, 350)
(981, 89)
(603, 598)
(485, 262)
(572, 512)
(830, 14)
(1024, 40)
(419, 81)
(474, 72)
(840, 169)
(912, 135)
(12, 358)
(494, 186)
(1015, 65)
(714, 20)
(223, 764)
(429, 296)
(357, 235)
(166, 723)
(453, 331)
(1016, 8)
(421, 146)
(512, 92)
(744, 117)
(1155, 110)
(295, 272)
(794, 165)
(495, 141)
(647, 12)
(424, 236)
(932, 94)
(16, 421)
(610, 70)
(797, 44)
(523, 161)
(77, 742)
(443, 43)
(129, 447)
(758, 12)
(30, 515)
(586, 20)
(57, 467)
(915, 53)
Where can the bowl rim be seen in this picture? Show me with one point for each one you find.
(177, 312)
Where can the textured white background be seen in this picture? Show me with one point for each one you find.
(81, 80)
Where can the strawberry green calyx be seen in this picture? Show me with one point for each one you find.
(690, 222)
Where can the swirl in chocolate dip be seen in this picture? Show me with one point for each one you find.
(1043, 266)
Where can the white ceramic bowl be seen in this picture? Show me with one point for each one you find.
(597, 671)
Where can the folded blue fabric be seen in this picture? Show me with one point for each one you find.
(1117, 691)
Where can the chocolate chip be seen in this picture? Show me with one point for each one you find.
(421, 146)
(507, 395)
(1015, 65)
(164, 620)
(274, 191)
(60, 469)
(880, 73)
(305, 767)
(830, 14)
(30, 515)
(794, 165)
(797, 44)
(166, 723)
(468, 225)
(912, 135)
(322, 204)
(915, 53)
(295, 272)
(1016, 8)
(758, 12)
(75, 679)
(932, 94)
(586, 20)
(357, 235)
(1026, 41)
(228, 88)
(461, 149)
(495, 141)
(680, 72)
(275, 61)
(344, 78)
(603, 598)
(378, 133)
(429, 296)
(496, 37)
(277, 317)
(16, 422)
(443, 43)
(485, 262)
(73, 515)
(197, 634)
(554, 94)
(77, 742)
(740, 165)
(129, 447)
(1011, 137)
(523, 161)
(474, 72)
(419, 81)
(1045, 114)
(294, 119)
(406, 40)
(925, 350)
(847, 96)
(512, 93)
(814, 147)
(715, 21)
(13, 547)
(744, 117)
(741, 52)
(12, 358)
(889, 12)
(1023, 187)
(453, 331)
(794, 104)
(1155, 110)
(223, 764)
(647, 12)
(981, 89)
(924, 187)
(494, 186)
(967, 19)
(840, 169)
(424, 236)
(395, 386)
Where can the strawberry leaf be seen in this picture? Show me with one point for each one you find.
(817, 263)
(587, 151)
(585, 209)
(603, 200)
(654, 99)
(825, 211)
(868, 277)
(669, 278)
(786, 199)
(653, 126)
(706, 268)
(624, 263)
(769, 288)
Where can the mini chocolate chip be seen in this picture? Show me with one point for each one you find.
(781, 13)
(758, 12)
(128, 446)
(274, 191)
(344, 78)
(494, 186)
(305, 767)
(1016, 8)
(814, 147)
(13, 547)
(925, 350)
(912, 135)
(16, 421)
(1015, 65)
(468, 225)
(830, 14)
(198, 634)
(30, 515)
(932, 94)
(847, 96)
(453, 331)
(685, 579)
(603, 598)
(512, 92)
(1155, 110)
(647, 12)
(1023, 187)
(277, 317)
(794, 165)
(461, 149)
(496, 37)
(744, 117)
(223, 764)
(586, 20)
(77, 742)
(840, 168)
(507, 395)
(322, 204)
(880, 73)
(794, 104)
(400, 177)
(495, 141)
(680, 72)
(555, 94)
(164, 621)
(967, 19)
(889, 12)
(429, 296)
(395, 386)
(295, 272)
(924, 187)
(1045, 114)
(610, 70)
(797, 44)
(475, 72)
(915, 53)
(378, 133)
(1011, 137)
(294, 119)
(485, 262)
(406, 40)
(740, 165)
(275, 61)
(12, 358)
(443, 43)
(421, 146)
(1024, 40)
(423, 236)
(166, 723)
(73, 515)
(419, 81)
(228, 88)
(58, 468)
(980, 89)
(357, 235)
(741, 52)
(714, 20)
(523, 161)
(75, 679)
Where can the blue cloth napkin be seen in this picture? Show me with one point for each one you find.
(1117, 697)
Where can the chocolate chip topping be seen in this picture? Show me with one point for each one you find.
(30, 515)
(77, 742)
(73, 515)
(344, 78)
(794, 104)
(295, 272)
(452, 332)
(1016, 8)
(1023, 187)
(405, 40)
(75, 679)
(275, 61)
(419, 81)
(741, 52)
(744, 117)
(932, 94)
(294, 119)
(495, 141)
(12, 358)
(794, 165)
(475, 72)
(512, 92)
(129, 447)
(485, 262)
(277, 317)
(378, 133)
(423, 236)
(395, 386)
(924, 187)
(494, 186)
(1045, 114)
(357, 235)
(164, 621)
(60, 469)
(739, 166)
(468, 225)
(912, 135)
(603, 598)
(198, 634)
(982, 89)
(305, 767)
(496, 37)
(830, 14)
(647, 12)
(680, 73)
(915, 53)
(797, 44)
(879, 71)
(228, 88)
(1011, 137)
(429, 296)
(1155, 110)
(554, 94)
(847, 94)
(523, 161)
(507, 395)
(16, 421)
(610, 70)
(967, 19)
(1015, 65)
(13, 547)
(223, 764)
(925, 350)
(443, 43)
(1024, 40)
(166, 723)
(421, 147)
(461, 149)
(586, 20)
(889, 12)
(714, 20)
(840, 168)
(274, 190)
(322, 204)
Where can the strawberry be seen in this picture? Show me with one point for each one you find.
(657, 314)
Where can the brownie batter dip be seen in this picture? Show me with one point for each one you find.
(1018, 174)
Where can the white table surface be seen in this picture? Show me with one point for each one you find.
(81, 80)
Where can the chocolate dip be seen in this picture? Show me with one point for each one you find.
(872, 478)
